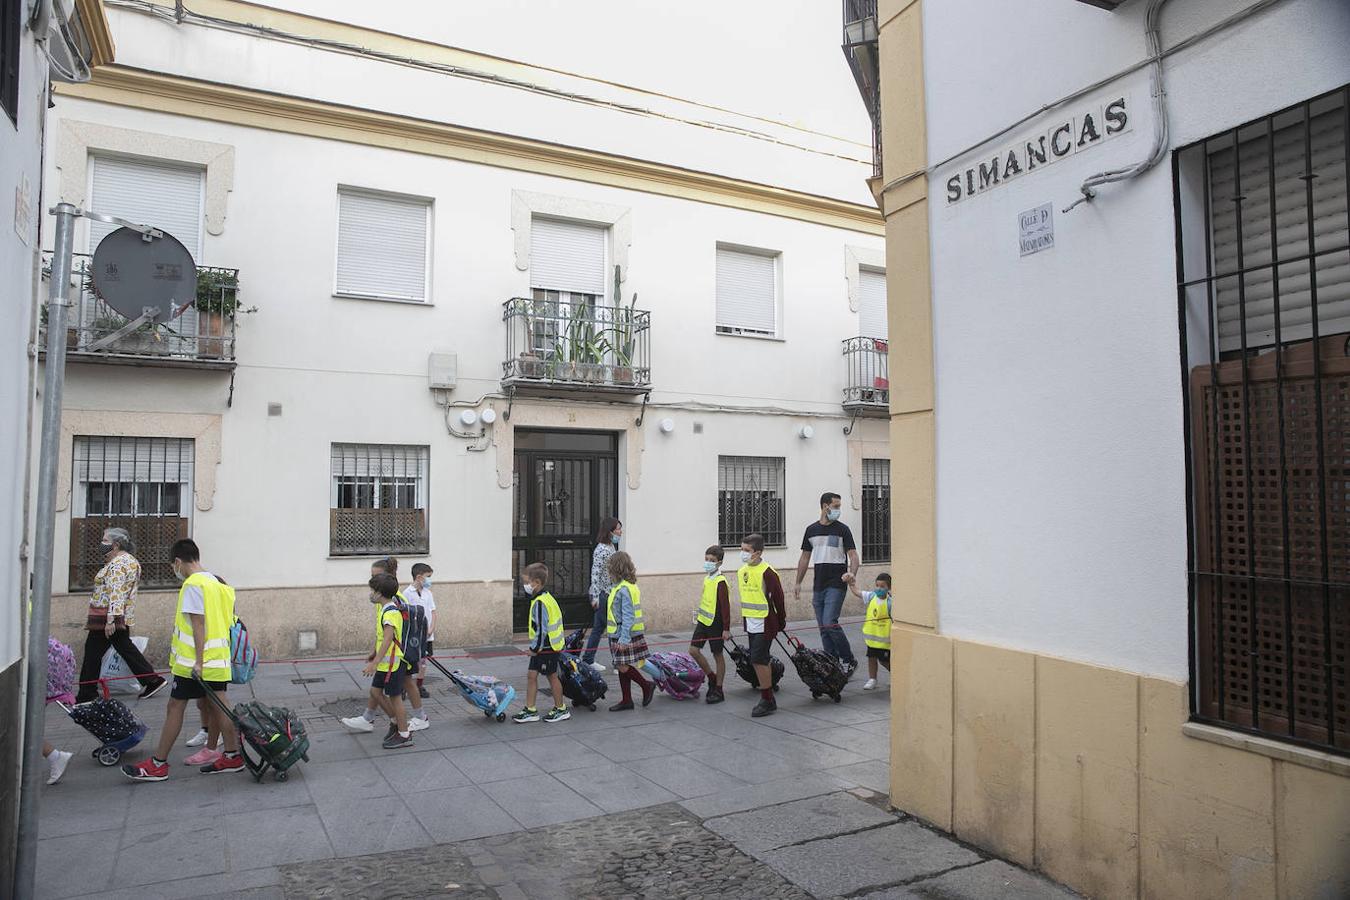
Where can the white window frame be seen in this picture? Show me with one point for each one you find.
(428, 202)
(734, 331)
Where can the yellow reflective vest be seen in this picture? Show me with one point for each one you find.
(553, 622)
(707, 607)
(218, 607)
(877, 627)
(754, 602)
(636, 596)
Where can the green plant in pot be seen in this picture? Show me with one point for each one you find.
(624, 342)
(217, 305)
(146, 340)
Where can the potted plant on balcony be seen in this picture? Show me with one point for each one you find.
(72, 328)
(625, 336)
(217, 304)
(146, 340)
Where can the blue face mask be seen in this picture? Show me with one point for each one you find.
(614, 539)
(881, 593)
(528, 588)
(832, 514)
(709, 567)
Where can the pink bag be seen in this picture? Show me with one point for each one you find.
(60, 672)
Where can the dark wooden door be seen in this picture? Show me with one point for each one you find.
(565, 483)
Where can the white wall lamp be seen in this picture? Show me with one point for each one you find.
(806, 433)
(468, 418)
(667, 426)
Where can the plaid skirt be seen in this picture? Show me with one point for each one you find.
(633, 656)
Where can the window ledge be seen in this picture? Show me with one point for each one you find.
(1290, 753)
(406, 302)
(751, 337)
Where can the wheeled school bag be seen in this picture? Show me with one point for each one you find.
(580, 683)
(112, 723)
(819, 671)
(274, 733)
(482, 691)
(677, 674)
(243, 656)
(740, 656)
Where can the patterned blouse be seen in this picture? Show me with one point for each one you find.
(600, 583)
(115, 592)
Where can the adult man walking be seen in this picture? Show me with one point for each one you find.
(111, 611)
(828, 546)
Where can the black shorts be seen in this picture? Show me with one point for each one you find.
(879, 653)
(189, 689)
(389, 682)
(544, 662)
(707, 634)
(429, 649)
(759, 649)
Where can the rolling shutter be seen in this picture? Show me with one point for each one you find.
(871, 303)
(568, 256)
(164, 195)
(382, 246)
(1251, 182)
(747, 292)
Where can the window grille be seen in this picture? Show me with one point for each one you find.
(1264, 309)
(750, 499)
(142, 484)
(378, 500)
(747, 292)
(876, 510)
(384, 246)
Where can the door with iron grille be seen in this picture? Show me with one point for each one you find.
(565, 482)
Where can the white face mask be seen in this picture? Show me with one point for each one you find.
(426, 582)
(745, 556)
(529, 588)
(709, 566)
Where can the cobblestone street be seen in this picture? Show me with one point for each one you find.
(675, 800)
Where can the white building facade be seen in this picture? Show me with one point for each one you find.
(456, 309)
(1124, 638)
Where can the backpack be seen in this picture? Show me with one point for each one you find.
(243, 656)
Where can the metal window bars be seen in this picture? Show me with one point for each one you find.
(860, 49)
(378, 500)
(576, 341)
(142, 484)
(867, 382)
(876, 510)
(1262, 225)
(202, 333)
(750, 499)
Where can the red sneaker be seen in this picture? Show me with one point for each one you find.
(224, 764)
(147, 770)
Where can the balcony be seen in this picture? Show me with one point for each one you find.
(200, 337)
(570, 344)
(860, 49)
(867, 385)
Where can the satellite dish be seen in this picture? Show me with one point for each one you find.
(144, 277)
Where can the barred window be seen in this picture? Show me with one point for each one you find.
(876, 510)
(1264, 296)
(378, 500)
(750, 499)
(142, 484)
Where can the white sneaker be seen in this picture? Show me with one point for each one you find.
(597, 667)
(870, 684)
(416, 724)
(359, 723)
(59, 760)
(198, 739)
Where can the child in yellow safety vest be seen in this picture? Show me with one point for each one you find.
(546, 643)
(712, 622)
(627, 631)
(876, 627)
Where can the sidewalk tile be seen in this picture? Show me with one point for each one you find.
(540, 800)
(491, 762)
(994, 878)
(761, 830)
(163, 848)
(747, 763)
(67, 809)
(346, 778)
(56, 877)
(754, 796)
(561, 753)
(457, 814)
(357, 826)
(615, 789)
(841, 866)
(684, 777)
(278, 836)
(872, 774)
(421, 772)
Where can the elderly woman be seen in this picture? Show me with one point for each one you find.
(110, 617)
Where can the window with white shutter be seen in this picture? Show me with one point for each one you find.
(872, 303)
(747, 291)
(1242, 245)
(383, 246)
(568, 257)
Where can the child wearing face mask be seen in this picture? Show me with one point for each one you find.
(712, 622)
(876, 627)
(419, 594)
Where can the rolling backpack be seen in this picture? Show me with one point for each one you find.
(243, 656)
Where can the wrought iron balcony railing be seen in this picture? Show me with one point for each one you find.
(202, 335)
(860, 49)
(867, 385)
(576, 342)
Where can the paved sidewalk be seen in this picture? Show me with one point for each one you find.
(607, 804)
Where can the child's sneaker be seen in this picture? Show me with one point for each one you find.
(526, 715)
(416, 723)
(558, 714)
(597, 667)
(197, 740)
(870, 684)
(357, 723)
(224, 764)
(397, 741)
(202, 757)
(58, 761)
(149, 770)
